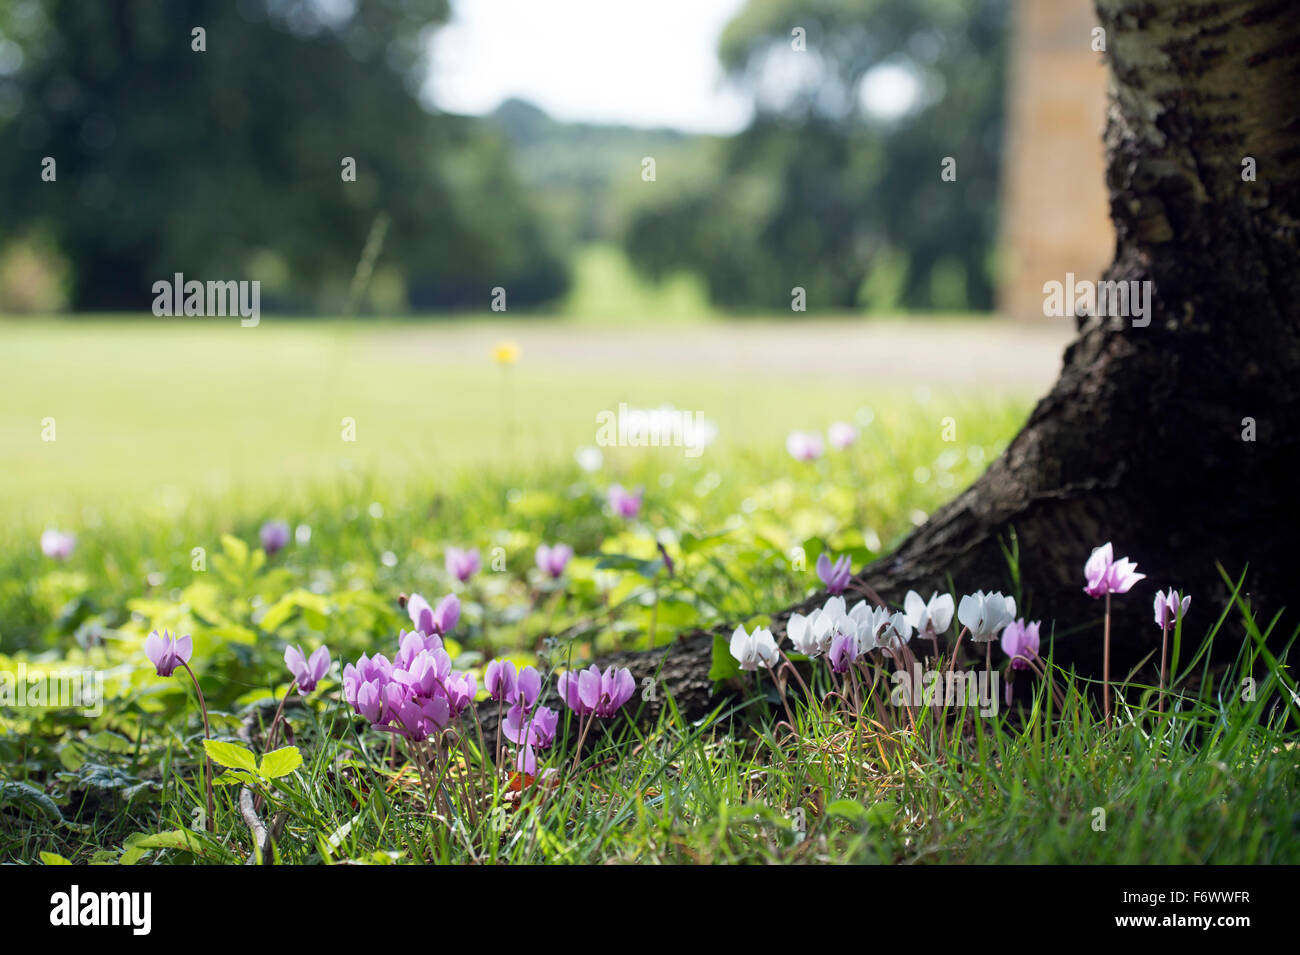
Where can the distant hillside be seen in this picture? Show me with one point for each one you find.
(587, 177)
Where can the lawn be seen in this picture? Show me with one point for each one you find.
(167, 473)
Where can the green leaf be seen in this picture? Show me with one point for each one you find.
(278, 613)
(233, 633)
(72, 755)
(860, 816)
(109, 742)
(723, 665)
(235, 549)
(280, 762)
(29, 799)
(230, 755)
(171, 839)
(90, 775)
(690, 543)
(236, 777)
(852, 812)
(645, 568)
(53, 858)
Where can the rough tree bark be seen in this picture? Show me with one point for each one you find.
(1143, 439)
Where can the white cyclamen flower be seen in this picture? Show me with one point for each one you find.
(833, 621)
(984, 615)
(866, 621)
(929, 619)
(811, 635)
(755, 649)
(870, 621)
(895, 632)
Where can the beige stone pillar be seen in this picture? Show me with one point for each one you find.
(1055, 216)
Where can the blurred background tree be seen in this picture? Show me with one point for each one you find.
(835, 186)
(227, 163)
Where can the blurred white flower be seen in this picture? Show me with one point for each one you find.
(58, 544)
(589, 458)
(804, 445)
(841, 435)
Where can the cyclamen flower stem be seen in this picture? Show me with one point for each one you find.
(419, 758)
(790, 664)
(443, 768)
(1164, 657)
(899, 665)
(1037, 666)
(482, 746)
(275, 721)
(853, 684)
(582, 736)
(496, 753)
(780, 689)
(1105, 665)
(437, 775)
(462, 782)
(521, 748)
(953, 662)
(207, 732)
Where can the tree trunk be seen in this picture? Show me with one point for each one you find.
(1173, 440)
(1178, 440)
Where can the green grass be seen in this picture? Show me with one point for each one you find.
(216, 429)
(160, 413)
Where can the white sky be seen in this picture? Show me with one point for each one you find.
(614, 61)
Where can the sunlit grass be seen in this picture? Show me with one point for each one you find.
(215, 431)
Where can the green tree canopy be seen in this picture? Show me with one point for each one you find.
(820, 193)
(227, 163)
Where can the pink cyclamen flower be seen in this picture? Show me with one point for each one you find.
(275, 536)
(590, 691)
(499, 680)
(623, 502)
(804, 445)
(460, 689)
(844, 650)
(1020, 642)
(431, 622)
(426, 674)
(58, 544)
(363, 685)
(552, 560)
(834, 575)
(527, 688)
(1170, 607)
(1105, 575)
(566, 685)
(463, 564)
(841, 435)
(168, 652)
(410, 644)
(416, 696)
(530, 731)
(545, 723)
(307, 671)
